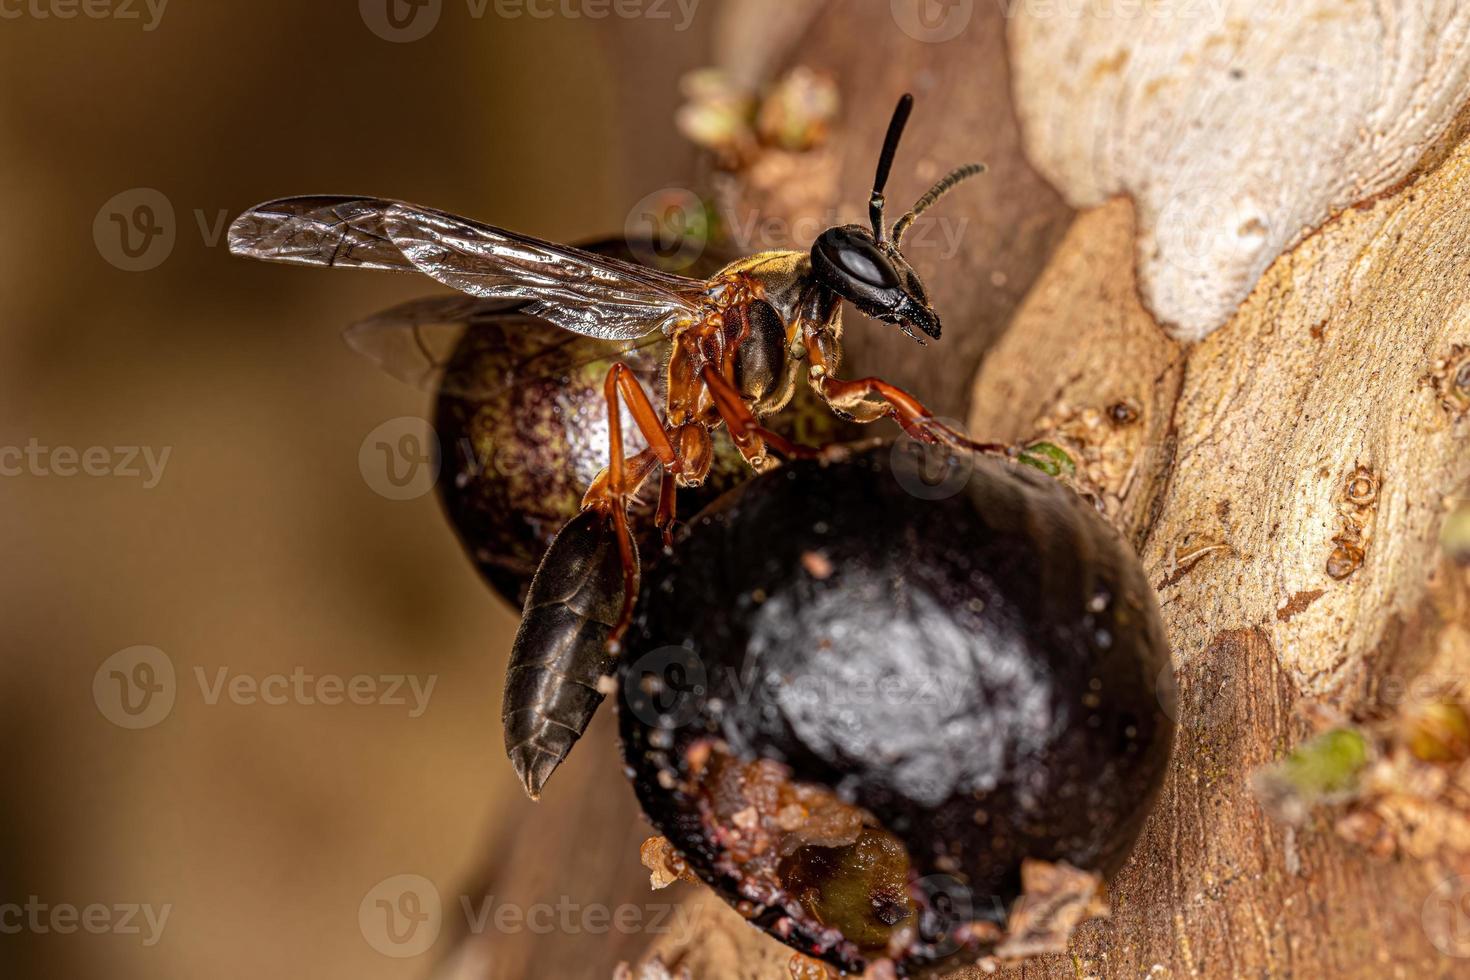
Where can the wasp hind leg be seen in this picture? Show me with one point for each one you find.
(580, 603)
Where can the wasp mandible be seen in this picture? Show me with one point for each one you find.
(737, 346)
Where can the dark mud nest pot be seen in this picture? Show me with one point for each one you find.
(855, 700)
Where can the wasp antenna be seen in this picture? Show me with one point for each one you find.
(946, 184)
(885, 162)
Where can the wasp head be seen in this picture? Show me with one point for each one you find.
(874, 277)
(865, 267)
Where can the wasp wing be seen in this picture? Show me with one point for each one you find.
(416, 342)
(593, 295)
(330, 230)
(589, 294)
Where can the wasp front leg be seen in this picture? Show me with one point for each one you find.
(580, 602)
(870, 399)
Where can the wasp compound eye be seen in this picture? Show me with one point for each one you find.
(901, 700)
(849, 254)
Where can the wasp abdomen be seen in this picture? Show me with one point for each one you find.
(561, 648)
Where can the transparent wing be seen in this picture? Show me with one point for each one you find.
(330, 230)
(578, 291)
(589, 294)
(417, 341)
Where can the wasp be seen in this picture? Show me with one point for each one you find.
(518, 409)
(739, 344)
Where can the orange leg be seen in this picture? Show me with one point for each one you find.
(749, 435)
(620, 381)
(624, 477)
(870, 399)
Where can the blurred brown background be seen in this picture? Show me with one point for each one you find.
(262, 549)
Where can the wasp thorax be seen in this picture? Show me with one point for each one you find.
(876, 702)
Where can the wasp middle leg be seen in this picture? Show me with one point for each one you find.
(749, 436)
(581, 600)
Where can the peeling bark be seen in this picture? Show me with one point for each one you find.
(1237, 125)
